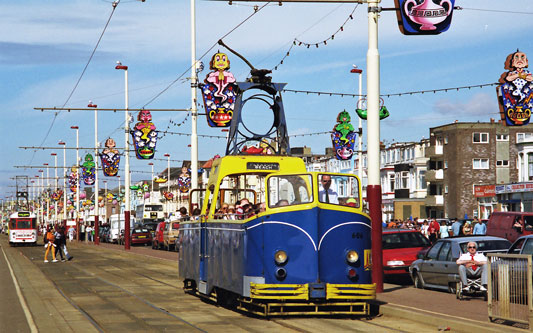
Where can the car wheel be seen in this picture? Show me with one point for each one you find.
(452, 287)
(417, 281)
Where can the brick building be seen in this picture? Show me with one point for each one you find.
(465, 155)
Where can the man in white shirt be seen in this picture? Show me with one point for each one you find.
(472, 264)
(326, 194)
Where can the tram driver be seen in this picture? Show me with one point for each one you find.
(326, 194)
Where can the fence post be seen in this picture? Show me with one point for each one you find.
(530, 292)
(489, 286)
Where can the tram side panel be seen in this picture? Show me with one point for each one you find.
(340, 232)
(225, 256)
(189, 252)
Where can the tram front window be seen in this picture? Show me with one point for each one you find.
(25, 224)
(289, 190)
(339, 190)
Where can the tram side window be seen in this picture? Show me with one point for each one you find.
(339, 190)
(289, 190)
(12, 224)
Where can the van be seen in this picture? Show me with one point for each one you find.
(501, 224)
(116, 222)
(170, 236)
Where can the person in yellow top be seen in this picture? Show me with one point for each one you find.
(49, 244)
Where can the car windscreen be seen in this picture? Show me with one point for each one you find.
(398, 240)
(488, 245)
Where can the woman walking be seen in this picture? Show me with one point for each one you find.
(49, 239)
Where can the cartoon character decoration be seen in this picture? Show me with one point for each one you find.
(73, 179)
(144, 136)
(219, 92)
(57, 195)
(88, 169)
(110, 158)
(263, 148)
(184, 180)
(515, 93)
(145, 187)
(424, 17)
(168, 195)
(343, 137)
(110, 197)
(160, 180)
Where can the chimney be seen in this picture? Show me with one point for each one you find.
(492, 120)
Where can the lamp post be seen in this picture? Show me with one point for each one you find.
(41, 195)
(168, 182)
(77, 181)
(47, 191)
(152, 188)
(119, 66)
(373, 192)
(35, 197)
(360, 147)
(56, 186)
(105, 200)
(194, 118)
(96, 239)
(64, 181)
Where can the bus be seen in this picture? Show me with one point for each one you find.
(22, 228)
(150, 215)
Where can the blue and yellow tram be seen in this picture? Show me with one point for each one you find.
(22, 228)
(304, 250)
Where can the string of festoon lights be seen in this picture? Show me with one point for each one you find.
(297, 42)
(407, 93)
(173, 123)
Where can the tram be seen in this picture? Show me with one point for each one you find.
(301, 254)
(22, 228)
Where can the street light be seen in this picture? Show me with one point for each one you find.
(61, 143)
(47, 191)
(360, 154)
(152, 188)
(42, 189)
(55, 169)
(119, 66)
(168, 183)
(77, 181)
(105, 200)
(96, 239)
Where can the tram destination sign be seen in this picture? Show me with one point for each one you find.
(23, 214)
(262, 166)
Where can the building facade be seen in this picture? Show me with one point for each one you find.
(464, 157)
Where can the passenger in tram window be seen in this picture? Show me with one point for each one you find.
(262, 207)
(351, 202)
(231, 212)
(282, 203)
(239, 211)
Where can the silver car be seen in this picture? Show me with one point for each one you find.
(436, 268)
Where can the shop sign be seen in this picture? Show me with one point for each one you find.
(484, 191)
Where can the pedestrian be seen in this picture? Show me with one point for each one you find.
(444, 230)
(49, 239)
(71, 232)
(433, 231)
(63, 245)
(456, 228)
(467, 229)
(424, 229)
(89, 232)
(480, 228)
(59, 239)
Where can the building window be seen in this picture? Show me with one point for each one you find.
(521, 137)
(391, 182)
(502, 137)
(530, 166)
(446, 189)
(502, 163)
(404, 179)
(445, 140)
(445, 164)
(422, 176)
(480, 163)
(480, 137)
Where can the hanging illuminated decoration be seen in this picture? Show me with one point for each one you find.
(88, 170)
(168, 195)
(144, 136)
(184, 180)
(73, 179)
(110, 158)
(424, 17)
(145, 187)
(363, 113)
(515, 94)
(219, 92)
(343, 137)
(57, 195)
(161, 180)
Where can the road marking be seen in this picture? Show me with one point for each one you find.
(27, 312)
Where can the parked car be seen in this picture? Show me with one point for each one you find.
(437, 268)
(400, 248)
(138, 235)
(157, 240)
(171, 236)
(523, 245)
(501, 224)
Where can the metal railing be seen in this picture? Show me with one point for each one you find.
(510, 291)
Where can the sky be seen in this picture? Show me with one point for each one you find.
(46, 44)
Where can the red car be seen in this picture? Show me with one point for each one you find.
(400, 248)
(139, 235)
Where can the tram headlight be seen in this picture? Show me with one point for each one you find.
(280, 257)
(352, 257)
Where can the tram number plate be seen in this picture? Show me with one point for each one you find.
(262, 166)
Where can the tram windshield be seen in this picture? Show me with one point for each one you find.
(22, 224)
(339, 190)
(289, 190)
